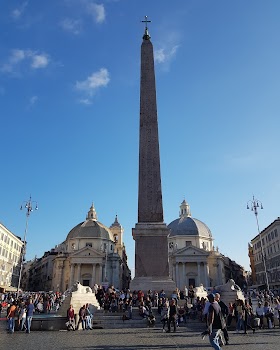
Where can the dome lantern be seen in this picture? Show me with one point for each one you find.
(92, 213)
(184, 210)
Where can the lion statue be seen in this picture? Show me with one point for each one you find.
(200, 291)
(82, 289)
(229, 286)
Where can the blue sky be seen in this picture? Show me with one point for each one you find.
(69, 114)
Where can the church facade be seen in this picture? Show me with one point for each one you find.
(91, 254)
(193, 259)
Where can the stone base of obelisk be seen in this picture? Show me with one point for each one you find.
(151, 258)
(153, 283)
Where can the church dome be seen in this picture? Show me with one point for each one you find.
(188, 226)
(91, 228)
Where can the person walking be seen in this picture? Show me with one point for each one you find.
(172, 316)
(248, 315)
(164, 315)
(224, 310)
(22, 317)
(29, 314)
(215, 322)
(11, 317)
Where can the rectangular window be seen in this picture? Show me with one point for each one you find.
(88, 244)
(269, 237)
(188, 243)
(272, 235)
(276, 233)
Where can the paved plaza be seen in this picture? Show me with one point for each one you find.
(128, 339)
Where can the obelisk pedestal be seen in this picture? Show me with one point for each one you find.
(151, 258)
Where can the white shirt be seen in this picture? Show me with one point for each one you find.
(259, 311)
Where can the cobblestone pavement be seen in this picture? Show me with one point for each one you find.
(128, 339)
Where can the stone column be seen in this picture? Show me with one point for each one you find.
(79, 273)
(103, 274)
(184, 276)
(173, 272)
(220, 273)
(71, 275)
(198, 274)
(93, 278)
(207, 275)
(177, 274)
(61, 282)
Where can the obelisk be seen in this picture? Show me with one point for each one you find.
(150, 233)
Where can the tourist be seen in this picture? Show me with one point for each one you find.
(240, 315)
(173, 312)
(89, 317)
(277, 310)
(268, 314)
(215, 321)
(248, 316)
(260, 314)
(29, 314)
(164, 316)
(22, 317)
(231, 314)
(82, 317)
(191, 294)
(71, 318)
(224, 310)
(11, 317)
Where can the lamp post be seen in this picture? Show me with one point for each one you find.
(28, 206)
(254, 205)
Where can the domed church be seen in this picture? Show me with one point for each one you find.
(192, 258)
(91, 254)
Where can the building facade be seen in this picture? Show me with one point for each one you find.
(10, 258)
(266, 247)
(91, 254)
(193, 259)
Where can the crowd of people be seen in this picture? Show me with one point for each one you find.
(20, 308)
(180, 308)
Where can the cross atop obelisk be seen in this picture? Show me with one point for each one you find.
(146, 35)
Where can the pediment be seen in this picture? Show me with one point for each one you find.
(191, 251)
(87, 251)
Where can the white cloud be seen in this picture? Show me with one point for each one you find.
(85, 101)
(96, 11)
(71, 25)
(17, 56)
(33, 100)
(39, 61)
(165, 55)
(18, 12)
(94, 82)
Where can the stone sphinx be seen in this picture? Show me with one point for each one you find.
(230, 292)
(81, 289)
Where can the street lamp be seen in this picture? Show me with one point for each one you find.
(29, 208)
(254, 205)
